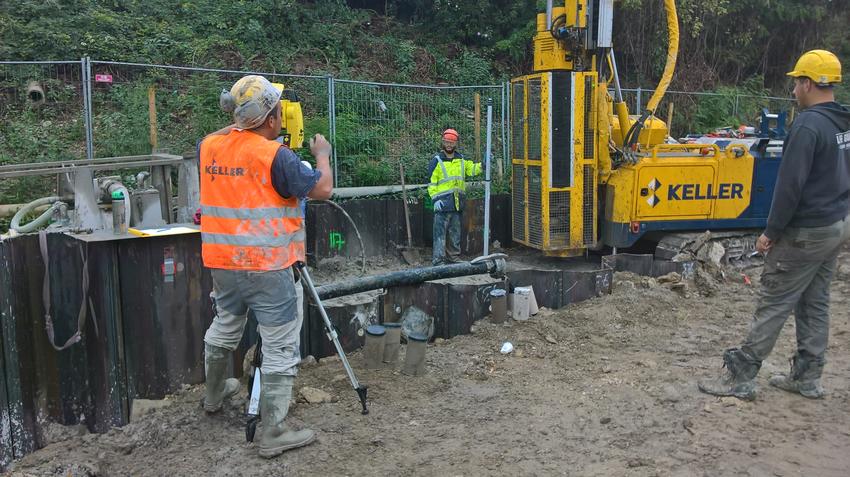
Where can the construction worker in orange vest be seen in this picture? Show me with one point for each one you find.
(252, 233)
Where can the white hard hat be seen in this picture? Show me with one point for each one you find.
(250, 100)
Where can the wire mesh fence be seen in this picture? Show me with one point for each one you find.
(42, 108)
(377, 126)
(83, 109)
(701, 112)
(137, 108)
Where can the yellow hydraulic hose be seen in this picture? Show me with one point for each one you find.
(672, 51)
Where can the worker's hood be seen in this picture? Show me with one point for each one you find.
(837, 113)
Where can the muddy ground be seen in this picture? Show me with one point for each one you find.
(604, 387)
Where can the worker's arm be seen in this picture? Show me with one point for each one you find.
(321, 150)
(797, 158)
(291, 178)
(472, 168)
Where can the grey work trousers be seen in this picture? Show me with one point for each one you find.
(446, 222)
(796, 277)
(277, 303)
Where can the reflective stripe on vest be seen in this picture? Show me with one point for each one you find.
(458, 184)
(260, 213)
(266, 241)
(246, 224)
(448, 186)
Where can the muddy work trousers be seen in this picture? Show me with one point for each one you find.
(276, 301)
(796, 278)
(446, 222)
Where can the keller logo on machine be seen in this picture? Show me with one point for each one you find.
(695, 191)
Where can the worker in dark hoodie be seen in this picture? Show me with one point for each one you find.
(807, 225)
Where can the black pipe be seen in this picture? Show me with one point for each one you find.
(413, 276)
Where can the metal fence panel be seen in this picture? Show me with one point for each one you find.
(77, 109)
(185, 101)
(701, 112)
(42, 109)
(377, 125)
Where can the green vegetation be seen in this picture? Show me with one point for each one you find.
(737, 49)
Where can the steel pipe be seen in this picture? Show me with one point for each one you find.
(494, 264)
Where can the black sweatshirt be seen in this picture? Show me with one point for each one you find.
(813, 184)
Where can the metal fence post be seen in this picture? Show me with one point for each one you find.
(85, 64)
(332, 126)
(508, 147)
(505, 161)
(638, 101)
(735, 111)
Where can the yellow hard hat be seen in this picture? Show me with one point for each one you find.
(820, 66)
(250, 100)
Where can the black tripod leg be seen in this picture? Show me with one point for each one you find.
(254, 419)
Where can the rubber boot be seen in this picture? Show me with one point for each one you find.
(738, 379)
(804, 378)
(275, 436)
(218, 388)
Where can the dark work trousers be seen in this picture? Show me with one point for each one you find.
(446, 222)
(796, 277)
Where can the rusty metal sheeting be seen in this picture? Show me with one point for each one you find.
(454, 306)
(548, 286)
(428, 297)
(645, 264)
(580, 285)
(14, 442)
(472, 227)
(147, 308)
(349, 317)
(166, 309)
(558, 288)
(382, 226)
(465, 304)
(83, 382)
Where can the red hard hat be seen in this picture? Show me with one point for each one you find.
(451, 135)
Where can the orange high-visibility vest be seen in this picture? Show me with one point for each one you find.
(246, 224)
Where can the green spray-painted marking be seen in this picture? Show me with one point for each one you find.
(336, 240)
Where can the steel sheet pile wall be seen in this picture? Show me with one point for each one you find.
(82, 384)
(558, 288)
(382, 227)
(166, 309)
(147, 308)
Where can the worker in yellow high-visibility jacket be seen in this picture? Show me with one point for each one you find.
(448, 170)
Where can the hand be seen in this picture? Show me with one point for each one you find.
(764, 244)
(438, 205)
(319, 146)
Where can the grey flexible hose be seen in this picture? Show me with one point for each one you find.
(39, 222)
